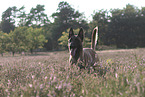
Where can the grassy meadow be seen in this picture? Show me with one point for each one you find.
(121, 73)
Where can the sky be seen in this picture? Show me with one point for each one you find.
(84, 6)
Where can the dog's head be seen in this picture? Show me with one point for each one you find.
(75, 44)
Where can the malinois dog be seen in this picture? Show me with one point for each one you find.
(84, 57)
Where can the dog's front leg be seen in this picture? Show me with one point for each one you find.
(71, 61)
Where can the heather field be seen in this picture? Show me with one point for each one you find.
(121, 73)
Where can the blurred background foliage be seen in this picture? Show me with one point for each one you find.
(120, 28)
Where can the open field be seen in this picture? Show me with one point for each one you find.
(121, 74)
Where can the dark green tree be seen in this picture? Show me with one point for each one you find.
(21, 16)
(8, 21)
(126, 27)
(37, 16)
(48, 35)
(64, 18)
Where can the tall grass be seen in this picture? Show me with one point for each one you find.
(120, 74)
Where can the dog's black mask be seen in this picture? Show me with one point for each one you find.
(75, 43)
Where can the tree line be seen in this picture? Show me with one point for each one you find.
(22, 39)
(123, 28)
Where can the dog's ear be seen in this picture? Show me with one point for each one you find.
(71, 33)
(81, 34)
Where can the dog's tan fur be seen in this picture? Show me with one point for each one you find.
(78, 54)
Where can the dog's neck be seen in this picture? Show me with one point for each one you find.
(81, 54)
